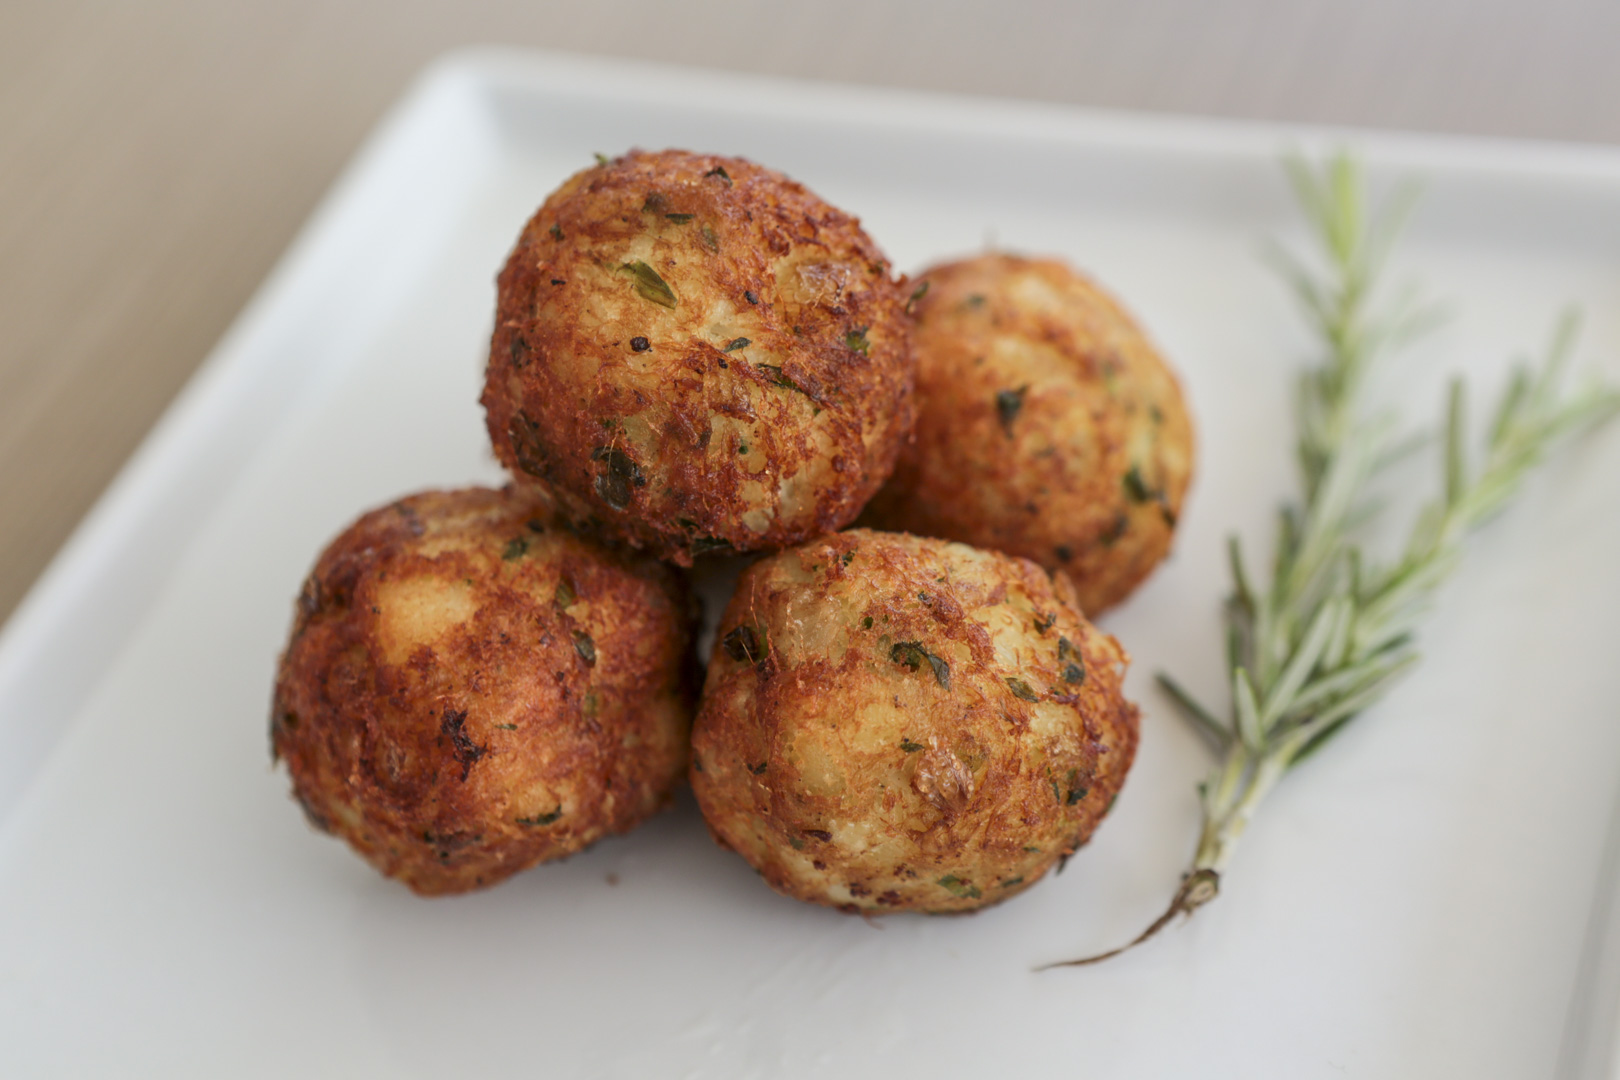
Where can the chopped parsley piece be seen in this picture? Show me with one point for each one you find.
(649, 285)
(912, 655)
(1021, 689)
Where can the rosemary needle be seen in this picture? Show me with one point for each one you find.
(1330, 630)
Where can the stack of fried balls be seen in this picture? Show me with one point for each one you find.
(695, 358)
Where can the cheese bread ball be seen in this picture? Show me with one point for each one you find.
(470, 689)
(1048, 426)
(893, 723)
(693, 353)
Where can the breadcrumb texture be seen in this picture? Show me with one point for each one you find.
(893, 723)
(693, 353)
(1048, 426)
(470, 689)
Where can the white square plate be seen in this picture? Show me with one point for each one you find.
(1429, 897)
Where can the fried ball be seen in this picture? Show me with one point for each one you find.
(1047, 426)
(470, 689)
(694, 353)
(894, 723)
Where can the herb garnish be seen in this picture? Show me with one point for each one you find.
(1135, 486)
(541, 819)
(649, 285)
(957, 887)
(917, 294)
(707, 545)
(1021, 689)
(1009, 403)
(745, 644)
(912, 654)
(910, 747)
(585, 647)
(622, 473)
(1332, 628)
(856, 339)
(736, 343)
(775, 376)
(515, 549)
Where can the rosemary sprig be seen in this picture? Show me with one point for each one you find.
(1331, 631)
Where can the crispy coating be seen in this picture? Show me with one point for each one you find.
(470, 689)
(694, 353)
(1047, 426)
(894, 723)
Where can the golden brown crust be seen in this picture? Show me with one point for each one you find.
(470, 689)
(892, 723)
(693, 352)
(1047, 426)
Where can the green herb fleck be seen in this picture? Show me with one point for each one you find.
(602, 159)
(621, 474)
(719, 171)
(1033, 850)
(959, 888)
(1074, 673)
(866, 623)
(912, 654)
(1009, 403)
(1135, 486)
(564, 596)
(507, 727)
(556, 231)
(515, 548)
(541, 819)
(774, 375)
(1043, 625)
(847, 557)
(649, 285)
(585, 647)
(711, 242)
(1021, 689)
(745, 644)
(737, 343)
(742, 448)
(856, 339)
(706, 545)
(910, 747)
(679, 219)
(797, 842)
(1010, 882)
(917, 294)
(758, 770)
(1076, 791)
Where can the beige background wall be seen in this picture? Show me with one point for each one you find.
(156, 157)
